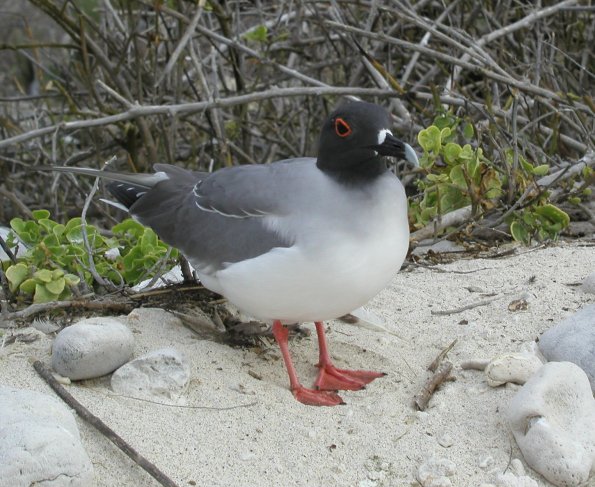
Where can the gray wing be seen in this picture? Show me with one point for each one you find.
(216, 219)
(249, 191)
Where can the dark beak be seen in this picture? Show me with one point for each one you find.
(394, 147)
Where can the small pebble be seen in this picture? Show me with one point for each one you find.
(445, 440)
(486, 462)
(511, 367)
(435, 471)
(247, 456)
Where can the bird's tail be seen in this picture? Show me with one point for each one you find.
(125, 187)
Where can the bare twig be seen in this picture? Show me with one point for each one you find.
(103, 428)
(35, 309)
(441, 375)
(171, 110)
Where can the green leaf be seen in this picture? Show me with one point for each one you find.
(451, 200)
(74, 222)
(57, 274)
(553, 214)
(574, 200)
(43, 275)
(451, 152)
(467, 152)
(129, 226)
(58, 230)
(74, 234)
(491, 184)
(429, 139)
(519, 232)
(445, 133)
(40, 214)
(16, 274)
(43, 295)
(28, 286)
(148, 240)
(71, 279)
(437, 178)
(457, 176)
(258, 34)
(541, 170)
(468, 131)
(57, 286)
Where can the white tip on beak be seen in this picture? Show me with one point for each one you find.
(411, 156)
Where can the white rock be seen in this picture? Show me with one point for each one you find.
(40, 442)
(486, 462)
(552, 418)
(512, 367)
(161, 375)
(435, 471)
(509, 479)
(573, 340)
(92, 348)
(445, 440)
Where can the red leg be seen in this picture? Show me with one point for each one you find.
(330, 378)
(310, 397)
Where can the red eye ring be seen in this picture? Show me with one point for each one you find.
(342, 128)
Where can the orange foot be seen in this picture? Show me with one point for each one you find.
(312, 397)
(332, 379)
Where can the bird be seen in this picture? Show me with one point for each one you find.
(307, 239)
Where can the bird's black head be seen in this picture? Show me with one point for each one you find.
(353, 140)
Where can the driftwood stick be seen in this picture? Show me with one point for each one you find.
(103, 428)
(35, 309)
(422, 398)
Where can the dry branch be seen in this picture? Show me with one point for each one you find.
(103, 428)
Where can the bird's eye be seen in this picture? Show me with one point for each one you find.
(342, 128)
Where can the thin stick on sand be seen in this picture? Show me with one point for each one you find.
(103, 428)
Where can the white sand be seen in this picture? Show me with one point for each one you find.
(377, 439)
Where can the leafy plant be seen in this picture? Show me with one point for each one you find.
(459, 174)
(456, 175)
(57, 259)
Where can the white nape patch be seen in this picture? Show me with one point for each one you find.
(161, 176)
(382, 135)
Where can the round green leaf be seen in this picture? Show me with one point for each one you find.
(429, 139)
(519, 232)
(57, 286)
(541, 170)
(468, 131)
(71, 279)
(40, 214)
(43, 295)
(16, 274)
(451, 152)
(28, 286)
(43, 275)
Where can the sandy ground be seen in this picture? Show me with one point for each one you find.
(237, 430)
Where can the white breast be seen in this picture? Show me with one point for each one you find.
(348, 246)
